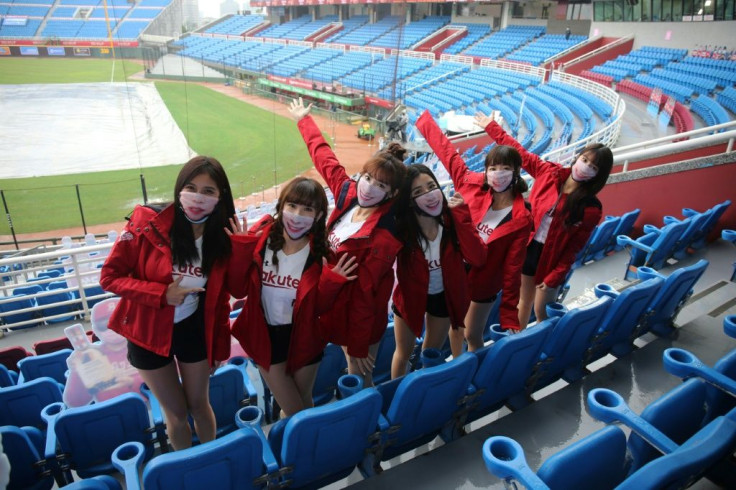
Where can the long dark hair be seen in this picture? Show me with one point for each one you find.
(215, 242)
(408, 227)
(505, 155)
(581, 197)
(388, 165)
(307, 192)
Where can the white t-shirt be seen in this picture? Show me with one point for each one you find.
(344, 228)
(541, 234)
(434, 258)
(193, 277)
(279, 284)
(490, 222)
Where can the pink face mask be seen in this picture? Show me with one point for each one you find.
(295, 225)
(500, 180)
(430, 202)
(582, 172)
(197, 207)
(368, 194)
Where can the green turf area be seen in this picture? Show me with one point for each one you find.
(64, 70)
(256, 148)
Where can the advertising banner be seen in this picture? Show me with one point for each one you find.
(666, 114)
(655, 100)
(29, 51)
(81, 52)
(4, 51)
(55, 51)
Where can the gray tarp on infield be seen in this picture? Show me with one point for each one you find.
(54, 129)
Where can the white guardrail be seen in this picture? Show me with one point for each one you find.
(81, 272)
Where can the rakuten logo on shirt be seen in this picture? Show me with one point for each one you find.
(484, 230)
(269, 278)
(333, 241)
(434, 265)
(188, 270)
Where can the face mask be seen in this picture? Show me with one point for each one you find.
(197, 207)
(500, 180)
(582, 172)
(295, 225)
(430, 202)
(369, 195)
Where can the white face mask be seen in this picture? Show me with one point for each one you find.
(430, 202)
(369, 194)
(582, 172)
(295, 225)
(500, 180)
(197, 207)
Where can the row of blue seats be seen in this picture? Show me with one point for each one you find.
(687, 433)
(674, 240)
(710, 110)
(602, 241)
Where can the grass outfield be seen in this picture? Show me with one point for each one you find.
(64, 70)
(256, 148)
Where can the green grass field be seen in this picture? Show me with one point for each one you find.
(256, 148)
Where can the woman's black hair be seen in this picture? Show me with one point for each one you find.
(215, 242)
(506, 155)
(307, 192)
(407, 225)
(602, 157)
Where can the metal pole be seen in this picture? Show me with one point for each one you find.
(81, 210)
(10, 220)
(143, 188)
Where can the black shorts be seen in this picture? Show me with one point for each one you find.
(187, 344)
(533, 253)
(487, 300)
(436, 306)
(280, 336)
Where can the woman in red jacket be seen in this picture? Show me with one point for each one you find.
(169, 267)
(565, 212)
(287, 289)
(503, 223)
(439, 238)
(362, 225)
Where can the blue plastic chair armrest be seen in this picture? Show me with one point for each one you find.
(383, 423)
(729, 235)
(668, 220)
(505, 459)
(651, 229)
(49, 414)
(128, 459)
(604, 289)
(623, 240)
(608, 406)
(729, 326)
(687, 212)
(249, 418)
(684, 364)
(242, 363)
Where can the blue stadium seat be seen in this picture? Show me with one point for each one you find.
(330, 369)
(652, 249)
(52, 365)
(21, 405)
(625, 225)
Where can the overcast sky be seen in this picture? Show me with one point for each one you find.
(210, 8)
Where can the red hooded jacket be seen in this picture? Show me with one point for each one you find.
(412, 272)
(563, 242)
(139, 270)
(359, 316)
(315, 294)
(506, 248)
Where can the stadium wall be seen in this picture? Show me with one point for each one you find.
(699, 189)
(680, 35)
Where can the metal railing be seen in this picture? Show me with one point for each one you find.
(81, 272)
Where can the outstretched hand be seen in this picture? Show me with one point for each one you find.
(344, 267)
(236, 227)
(297, 109)
(455, 200)
(482, 120)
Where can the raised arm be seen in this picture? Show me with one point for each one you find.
(472, 247)
(444, 150)
(529, 161)
(322, 156)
